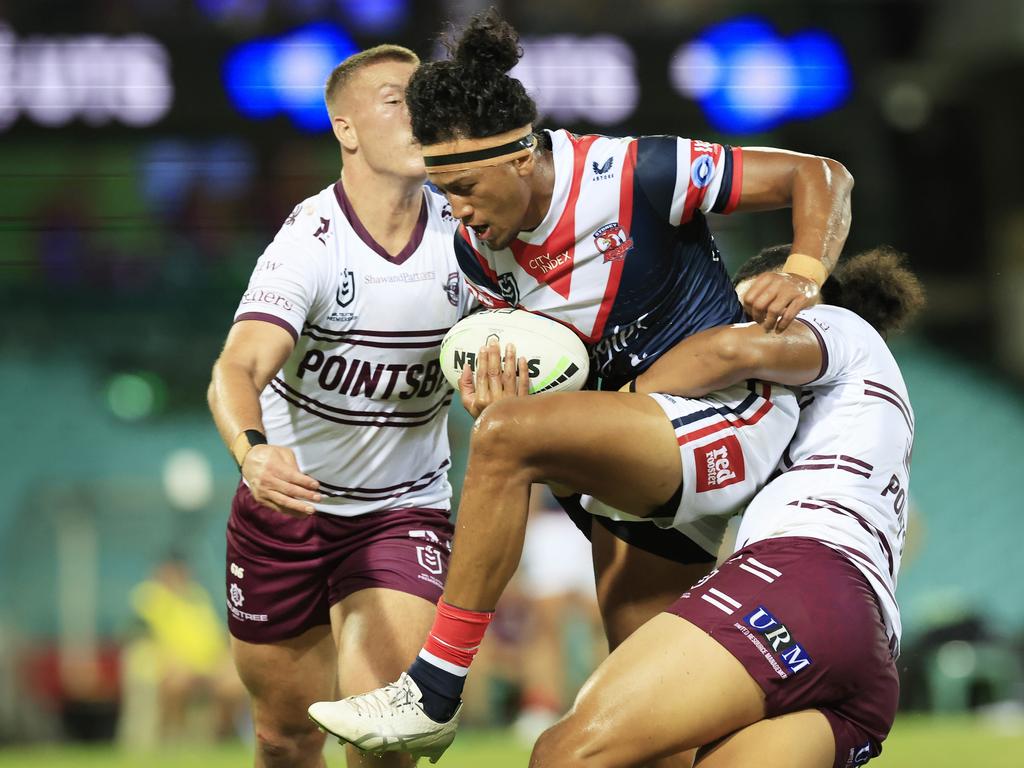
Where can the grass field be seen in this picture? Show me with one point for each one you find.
(916, 742)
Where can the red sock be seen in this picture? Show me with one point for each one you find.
(455, 637)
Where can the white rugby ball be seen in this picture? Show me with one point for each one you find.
(556, 358)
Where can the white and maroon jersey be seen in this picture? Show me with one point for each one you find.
(844, 477)
(624, 255)
(361, 400)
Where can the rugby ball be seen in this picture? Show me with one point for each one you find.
(556, 358)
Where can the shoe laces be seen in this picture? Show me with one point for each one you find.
(384, 702)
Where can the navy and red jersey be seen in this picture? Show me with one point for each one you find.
(624, 255)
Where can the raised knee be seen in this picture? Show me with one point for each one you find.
(502, 430)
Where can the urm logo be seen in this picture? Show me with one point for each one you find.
(779, 638)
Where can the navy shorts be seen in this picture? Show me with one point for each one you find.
(664, 542)
(805, 624)
(284, 573)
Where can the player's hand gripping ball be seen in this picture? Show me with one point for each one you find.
(556, 359)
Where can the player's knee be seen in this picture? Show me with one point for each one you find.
(568, 745)
(295, 746)
(503, 431)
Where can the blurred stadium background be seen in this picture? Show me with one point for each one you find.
(149, 149)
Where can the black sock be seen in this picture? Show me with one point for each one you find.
(442, 691)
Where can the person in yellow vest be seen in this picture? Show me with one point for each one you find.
(190, 648)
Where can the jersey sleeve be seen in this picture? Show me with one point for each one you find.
(482, 281)
(841, 334)
(682, 176)
(289, 276)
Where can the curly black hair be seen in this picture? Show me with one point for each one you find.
(471, 95)
(877, 284)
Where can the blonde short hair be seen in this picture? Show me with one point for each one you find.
(344, 72)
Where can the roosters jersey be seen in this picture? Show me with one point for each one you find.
(624, 255)
(844, 477)
(361, 400)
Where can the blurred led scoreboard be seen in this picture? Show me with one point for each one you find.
(738, 76)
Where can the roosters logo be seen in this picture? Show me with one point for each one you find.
(613, 241)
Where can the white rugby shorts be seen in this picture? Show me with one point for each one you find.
(730, 442)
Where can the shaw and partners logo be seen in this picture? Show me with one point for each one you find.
(719, 464)
(779, 638)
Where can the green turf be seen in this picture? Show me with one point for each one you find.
(916, 742)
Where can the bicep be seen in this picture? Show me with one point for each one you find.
(768, 177)
(793, 357)
(721, 357)
(258, 347)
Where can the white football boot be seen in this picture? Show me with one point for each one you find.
(388, 719)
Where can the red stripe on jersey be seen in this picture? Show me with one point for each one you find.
(737, 180)
(551, 262)
(625, 223)
(725, 424)
(464, 233)
(694, 194)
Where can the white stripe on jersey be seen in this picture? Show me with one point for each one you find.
(361, 399)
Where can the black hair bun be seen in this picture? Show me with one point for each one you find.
(488, 43)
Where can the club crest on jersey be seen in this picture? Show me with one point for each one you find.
(613, 241)
(346, 292)
(509, 288)
(451, 288)
(719, 464)
(603, 171)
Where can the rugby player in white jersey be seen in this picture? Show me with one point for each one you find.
(784, 656)
(608, 236)
(330, 397)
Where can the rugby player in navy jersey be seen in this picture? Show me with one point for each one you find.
(609, 237)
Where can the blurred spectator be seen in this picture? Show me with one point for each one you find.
(183, 657)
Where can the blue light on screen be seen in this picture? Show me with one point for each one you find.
(749, 78)
(286, 74)
(376, 16)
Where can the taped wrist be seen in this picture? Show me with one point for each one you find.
(242, 444)
(806, 266)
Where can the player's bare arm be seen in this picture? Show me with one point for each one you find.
(818, 189)
(720, 357)
(253, 353)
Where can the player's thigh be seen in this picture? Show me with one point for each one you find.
(797, 740)
(618, 447)
(285, 677)
(633, 585)
(667, 688)
(379, 632)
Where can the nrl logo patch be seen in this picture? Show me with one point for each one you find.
(346, 292)
(509, 288)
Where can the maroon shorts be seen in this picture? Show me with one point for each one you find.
(806, 625)
(283, 573)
